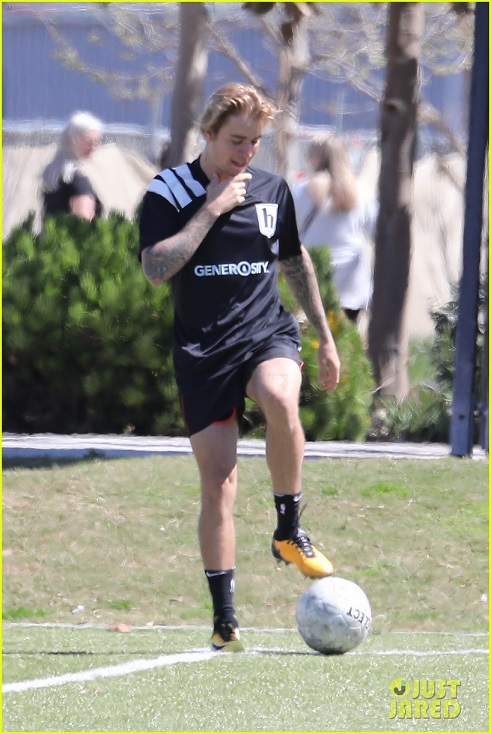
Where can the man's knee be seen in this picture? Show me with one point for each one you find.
(219, 477)
(281, 407)
(276, 384)
(218, 494)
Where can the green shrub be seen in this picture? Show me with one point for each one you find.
(88, 342)
(443, 351)
(424, 414)
(345, 413)
(421, 416)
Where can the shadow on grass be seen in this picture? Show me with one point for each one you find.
(45, 461)
(146, 653)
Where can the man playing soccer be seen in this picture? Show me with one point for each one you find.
(220, 230)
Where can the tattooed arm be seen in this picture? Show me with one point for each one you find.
(165, 258)
(300, 276)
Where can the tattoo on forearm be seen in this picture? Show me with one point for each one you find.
(165, 259)
(300, 276)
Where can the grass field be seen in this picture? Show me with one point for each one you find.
(166, 680)
(98, 543)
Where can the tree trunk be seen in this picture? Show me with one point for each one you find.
(188, 95)
(292, 64)
(388, 335)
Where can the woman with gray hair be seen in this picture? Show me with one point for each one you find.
(66, 189)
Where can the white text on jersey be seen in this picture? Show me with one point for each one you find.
(243, 268)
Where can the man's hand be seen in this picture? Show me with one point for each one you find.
(222, 196)
(164, 259)
(329, 365)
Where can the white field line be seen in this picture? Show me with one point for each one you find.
(195, 656)
(110, 671)
(424, 653)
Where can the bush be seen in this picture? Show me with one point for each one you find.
(443, 352)
(88, 342)
(345, 413)
(424, 414)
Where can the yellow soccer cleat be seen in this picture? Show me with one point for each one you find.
(300, 551)
(226, 638)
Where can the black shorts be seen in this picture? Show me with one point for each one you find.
(216, 398)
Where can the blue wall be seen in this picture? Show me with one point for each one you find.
(36, 86)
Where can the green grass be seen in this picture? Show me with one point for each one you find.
(18, 614)
(116, 540)
(277, 685)
(385, 488)
(111, 544)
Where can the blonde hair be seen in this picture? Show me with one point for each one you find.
(235, 99)
(333, 180)
(64, 164)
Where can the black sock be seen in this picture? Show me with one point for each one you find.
(287, 510)
(222, 586)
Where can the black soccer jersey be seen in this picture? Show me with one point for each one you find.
(226, 297)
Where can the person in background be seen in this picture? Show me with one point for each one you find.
(220, 231)
(66, 189)
(333, 211)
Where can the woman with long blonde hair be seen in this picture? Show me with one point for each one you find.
(332, 211)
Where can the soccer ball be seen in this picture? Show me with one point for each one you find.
(333, 615)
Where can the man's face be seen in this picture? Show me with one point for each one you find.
(230, 150)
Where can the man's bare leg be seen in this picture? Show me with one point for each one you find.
(215, 450)
(275, 387)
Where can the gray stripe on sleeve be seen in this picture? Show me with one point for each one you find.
(176, 187)
(193, 185)
(159, 187)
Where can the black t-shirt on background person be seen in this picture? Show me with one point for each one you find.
(58, 201)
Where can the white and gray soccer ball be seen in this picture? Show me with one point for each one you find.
(333, 615)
